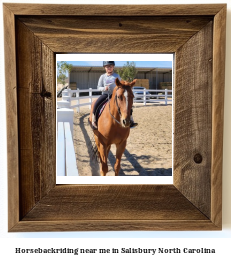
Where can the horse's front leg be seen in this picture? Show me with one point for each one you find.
(104, 150)
(120, 148)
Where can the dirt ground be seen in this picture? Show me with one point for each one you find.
(149, 146)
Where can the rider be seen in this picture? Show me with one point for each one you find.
(107, 84)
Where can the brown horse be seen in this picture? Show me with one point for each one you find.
(114, 124)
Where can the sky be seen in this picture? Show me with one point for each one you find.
(159, 64)
(141, 60)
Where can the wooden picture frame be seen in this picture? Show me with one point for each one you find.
(33, 34)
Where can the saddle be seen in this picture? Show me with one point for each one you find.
(100, 109)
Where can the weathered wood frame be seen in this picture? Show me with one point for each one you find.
(196, 34)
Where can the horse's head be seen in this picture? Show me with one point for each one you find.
(124, 100)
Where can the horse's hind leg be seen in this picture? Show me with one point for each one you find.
(108, 149)
(119, 152)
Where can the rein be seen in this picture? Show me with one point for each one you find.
(118, 108)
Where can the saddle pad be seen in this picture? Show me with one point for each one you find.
(102, 108)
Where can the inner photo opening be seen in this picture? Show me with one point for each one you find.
(147, 157)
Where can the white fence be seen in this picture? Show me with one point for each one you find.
(153, 96)
(144, 96)
(66, 160)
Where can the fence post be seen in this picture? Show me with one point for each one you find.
(144, 96)
(66, 100)
(77, 101)
(66, 115)
(70, 93)
(65, 95)
(166, 96)
(90, 97)
(61, 163)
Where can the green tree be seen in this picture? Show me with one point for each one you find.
(61, 78)
(64, 68)
(128, 72)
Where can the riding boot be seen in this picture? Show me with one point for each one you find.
(132, 124)
(94, 125)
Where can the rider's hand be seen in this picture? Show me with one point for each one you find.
(107, 88)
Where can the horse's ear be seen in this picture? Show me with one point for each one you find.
(118, 83)
(133, 82)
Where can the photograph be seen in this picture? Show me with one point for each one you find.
(119, 114)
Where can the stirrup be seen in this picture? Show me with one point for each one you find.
(133, 125)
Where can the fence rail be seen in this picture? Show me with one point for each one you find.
(66, 163)
(144, 96)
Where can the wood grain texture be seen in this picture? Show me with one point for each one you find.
(193, 113)
(114, 202)
(123, 34)
(35, 67)
(218, 114)
(194, 201)
(117, 10)
(114, 225)
(12, 114)
(111, 207)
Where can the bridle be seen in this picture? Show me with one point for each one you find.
(118, 108)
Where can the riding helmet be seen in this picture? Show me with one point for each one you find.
(108, 63)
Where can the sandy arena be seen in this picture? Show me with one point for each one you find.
(149, 146)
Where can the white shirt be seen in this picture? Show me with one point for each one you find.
(105, 80)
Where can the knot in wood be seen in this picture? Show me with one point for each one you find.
(198, 158)
(45, 94)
